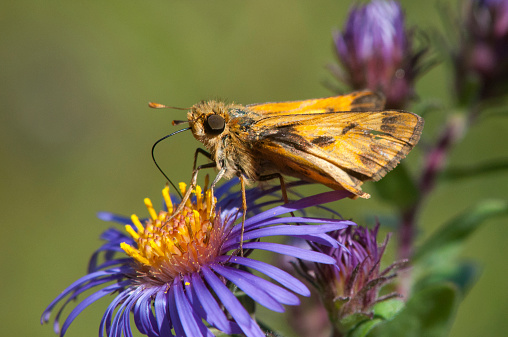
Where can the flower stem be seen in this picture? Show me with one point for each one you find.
(434, 165)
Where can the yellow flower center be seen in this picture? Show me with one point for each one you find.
(170, 244)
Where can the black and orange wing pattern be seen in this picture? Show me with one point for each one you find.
(339, 149)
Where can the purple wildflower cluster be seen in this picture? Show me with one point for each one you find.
(376, 52)
(351, 285)
(173, 290)
(483, 49)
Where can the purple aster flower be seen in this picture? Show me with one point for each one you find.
(376, 52)
(352, 284)
(179, 272)
(483, 50)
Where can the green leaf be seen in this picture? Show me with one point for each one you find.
(428, 313)
(458, 229)
(389, 308)
(350, 322)
(362, 324)
(398, 187)
(364, 328)
(462, 274)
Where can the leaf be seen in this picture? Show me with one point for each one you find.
(462, 274)
(398, 187)
(364, 328)
(428, 313)
(458, 229)
(389, 308)
(382, 311)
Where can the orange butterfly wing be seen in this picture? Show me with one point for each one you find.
(357, 101)
(337, 149)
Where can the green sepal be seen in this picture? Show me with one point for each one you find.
(362, 329)
(388, 309)
(359, 325)
(351, 322)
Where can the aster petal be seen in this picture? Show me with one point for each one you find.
(76, 285)
(279, 275)
(89, 300)
(81, 290)
(318, 199)
(177, 325)
(322, 239)
(143, 315)
(108, 216)
(118, 323)
(237, 276)
(192, 325)
(300, 253)
(113, 234)
(105, 324)
(292, 230)
(257, 293)
(161, 315)
(231, 303)
(212, 311)
(108, 264)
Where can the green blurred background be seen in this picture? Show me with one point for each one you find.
(76, 131)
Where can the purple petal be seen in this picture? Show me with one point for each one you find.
(257, 293)
(117, 326)
(231, 303)
(300, 253)
(82, 289)
(331, 225)
(273, 272)
(173, 312)
(105, 323)
(278, 293)
(87, 301)
(107, 216)
(143, 316)
(213, 313)
(161, 314)
(296, 205)
(192, 325)
(76, 285)
(322, 239)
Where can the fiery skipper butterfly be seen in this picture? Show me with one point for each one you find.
(338, 141)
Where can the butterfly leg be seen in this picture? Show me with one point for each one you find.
(203, 152)
(214, 182)
(244, 211)
(191, 187)
(282, 185)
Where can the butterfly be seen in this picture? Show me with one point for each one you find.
(340, 141)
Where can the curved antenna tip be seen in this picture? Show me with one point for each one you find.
(162, 106)
(156, 105)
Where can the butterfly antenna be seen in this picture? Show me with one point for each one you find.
(162, 106)
(155, 161)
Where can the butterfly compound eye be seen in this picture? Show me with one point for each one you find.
(215, 124)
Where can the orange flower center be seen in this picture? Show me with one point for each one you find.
(170, 244)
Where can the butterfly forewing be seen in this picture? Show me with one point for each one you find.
(338, 149)
(357, 101)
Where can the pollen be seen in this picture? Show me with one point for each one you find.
(168, 244)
